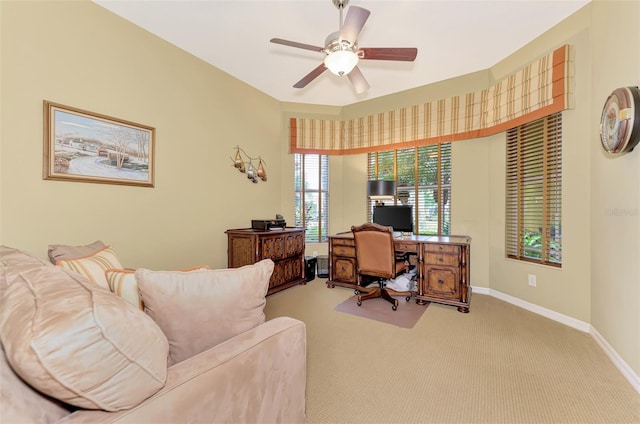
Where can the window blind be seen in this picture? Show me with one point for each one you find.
(423, 178)
(311, 195)
(534, 191)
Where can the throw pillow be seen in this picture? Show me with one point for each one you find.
(94, 265)
(123, 283)
(200, 309)
(76, 342)
(57, 252)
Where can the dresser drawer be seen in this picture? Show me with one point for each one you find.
(401, 246)
(441, 259)
(343, 242)
(343, 270)
(441, 248)
(294, 244)
(443, 283)
(272, 248)
(347, 251)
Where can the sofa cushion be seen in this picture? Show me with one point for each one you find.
(57, 252)
(5, 251)
(78, 342)
(200, 309)
(123, 283)
(94, 265)
(21, 403)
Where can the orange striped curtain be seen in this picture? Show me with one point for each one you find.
(538, 89)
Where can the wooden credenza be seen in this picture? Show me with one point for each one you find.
(443, 266)
(285, 247)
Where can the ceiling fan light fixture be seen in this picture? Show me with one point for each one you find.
(341, 62)
(342, 51)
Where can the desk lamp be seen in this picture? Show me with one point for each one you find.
(380, 190)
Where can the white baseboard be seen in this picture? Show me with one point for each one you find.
(480, 290)
(624, 368)
(531, 307)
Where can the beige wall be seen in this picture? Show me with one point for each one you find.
(93, 60)
(565, 290)
(615, 186)
(79, 54)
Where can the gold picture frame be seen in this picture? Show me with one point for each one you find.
(89, 147)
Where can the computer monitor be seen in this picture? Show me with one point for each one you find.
(400, 217)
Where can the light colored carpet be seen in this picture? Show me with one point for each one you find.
(496, 364)
(406, 316)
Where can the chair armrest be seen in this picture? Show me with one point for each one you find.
(256, 376)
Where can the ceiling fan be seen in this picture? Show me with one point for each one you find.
(342, 51)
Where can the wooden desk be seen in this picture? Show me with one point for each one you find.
(285, 247)
(442, 261)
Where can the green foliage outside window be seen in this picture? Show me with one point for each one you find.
(311, 195)
(423, 180)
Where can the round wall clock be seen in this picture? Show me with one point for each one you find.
(620, 121)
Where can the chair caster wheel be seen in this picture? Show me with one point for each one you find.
(356, 291)
(408, 298)
(394, 308)
(359, 303)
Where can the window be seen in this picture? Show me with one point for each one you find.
(423, 180)
(311, 191)
(533, 191)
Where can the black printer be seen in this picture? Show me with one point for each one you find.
(268, 224)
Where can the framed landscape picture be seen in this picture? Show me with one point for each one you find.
(89, 147)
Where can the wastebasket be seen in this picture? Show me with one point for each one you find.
(310, 268)
(323, 266)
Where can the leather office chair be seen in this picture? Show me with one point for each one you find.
(376, 257)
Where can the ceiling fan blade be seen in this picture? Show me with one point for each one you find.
(358, 80)
(296, 44)
(353, 23)
(310, 76)
(407, 54)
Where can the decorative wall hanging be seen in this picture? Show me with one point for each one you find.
(620, 121)
(244, 163)
(89, 147)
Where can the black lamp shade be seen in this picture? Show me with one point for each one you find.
(378, 188)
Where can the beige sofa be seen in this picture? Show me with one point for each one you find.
(256, 376)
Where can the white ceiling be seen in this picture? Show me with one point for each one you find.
(453, 37)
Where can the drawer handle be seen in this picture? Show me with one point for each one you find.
(440, 282)
(439, 259)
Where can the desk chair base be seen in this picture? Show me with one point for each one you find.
(385, 293)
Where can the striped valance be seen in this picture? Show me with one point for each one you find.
(536, 90)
